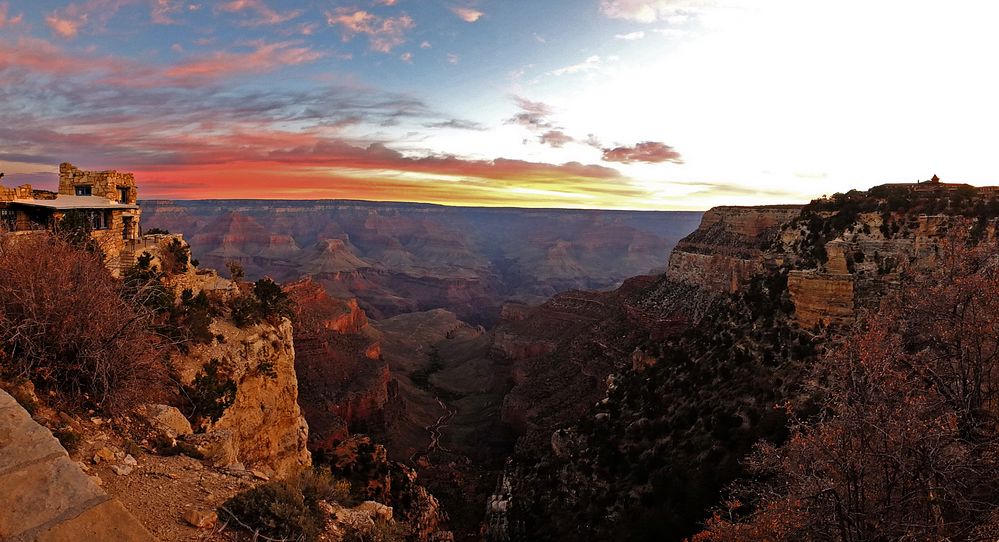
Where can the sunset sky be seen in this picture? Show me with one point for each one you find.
(637, 104)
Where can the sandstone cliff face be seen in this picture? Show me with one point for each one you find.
(345, 383)
(264, 427)
(727, 249)
(715, 272)
(841, 259)
(873, 252)
(821, 298)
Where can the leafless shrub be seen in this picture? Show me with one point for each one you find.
(906, 446)
(68, 325)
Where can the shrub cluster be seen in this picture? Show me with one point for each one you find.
(267, 301)
(285, 509)
(176, 257)
(210, 394)
(72, 328)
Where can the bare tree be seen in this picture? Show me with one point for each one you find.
(905, 447)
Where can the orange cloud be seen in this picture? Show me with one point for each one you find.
(384, 34)
(505, 183)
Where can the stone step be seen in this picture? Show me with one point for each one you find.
(46, 497)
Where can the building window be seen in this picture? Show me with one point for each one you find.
(123, 194)
(100, 220)
(84, 190)
(8, 219)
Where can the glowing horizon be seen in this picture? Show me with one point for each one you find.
(610, 104)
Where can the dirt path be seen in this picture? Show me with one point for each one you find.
(435, 431)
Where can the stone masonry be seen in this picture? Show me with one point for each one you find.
(105, 184)
(45, 496)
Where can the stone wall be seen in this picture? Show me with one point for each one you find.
(103, 183)
(21, 192)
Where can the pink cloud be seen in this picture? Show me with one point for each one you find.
(65, 27)
(69, 21)
(37, 56)
(384, 34)
(650, 152)
(469, 15)
(264, 14)
(264, 57)
(555, 138)
(533, 115)
(32, 57)
(163, 11)
(648, 11)
(9, 21)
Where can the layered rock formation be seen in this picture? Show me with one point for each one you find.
(727, 249)
(694, 363)
(397, 258)
(345, 384)
(821, 298)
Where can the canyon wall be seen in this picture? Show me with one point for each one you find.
(345, 385)
(821, 298)
(396, 258)
(727, 249)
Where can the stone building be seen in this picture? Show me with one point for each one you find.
(106, 199)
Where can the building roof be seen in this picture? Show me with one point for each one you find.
(63, 202)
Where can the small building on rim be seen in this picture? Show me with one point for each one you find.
(108, 200)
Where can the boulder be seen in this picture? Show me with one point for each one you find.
(216, 447)
(167, 421)
(201, 519)
(375, 510)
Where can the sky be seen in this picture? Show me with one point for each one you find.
(625, 104)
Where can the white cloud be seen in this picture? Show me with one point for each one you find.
(631, 36)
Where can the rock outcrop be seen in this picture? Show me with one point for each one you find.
(395, 485)
(821, 298)
(264, 426)
(728, 248)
